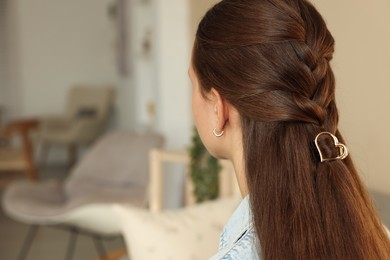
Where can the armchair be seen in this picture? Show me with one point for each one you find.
(114, 170)
(86, 113)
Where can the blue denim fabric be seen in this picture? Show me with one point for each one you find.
(238, 238)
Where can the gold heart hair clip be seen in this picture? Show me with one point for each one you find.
(343, 151)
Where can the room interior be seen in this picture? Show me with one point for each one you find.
(140, 50)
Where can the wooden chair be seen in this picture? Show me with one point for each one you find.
(157, 159)
(22, 159)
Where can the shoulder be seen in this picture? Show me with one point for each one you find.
(238, 239)
(245, 247)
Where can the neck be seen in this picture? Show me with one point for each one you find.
(235, 149)
(239, 170)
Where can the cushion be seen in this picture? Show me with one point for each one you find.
(119, 160)
(86, 112)
(187, 233)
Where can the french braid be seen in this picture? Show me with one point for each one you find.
(271, 60)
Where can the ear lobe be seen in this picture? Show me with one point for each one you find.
(220, 110)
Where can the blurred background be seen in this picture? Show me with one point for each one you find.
(140, 51)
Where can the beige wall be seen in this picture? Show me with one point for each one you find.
(11, 90)
(362, 69)
(197, 9)
(3, 81)
(60, 43)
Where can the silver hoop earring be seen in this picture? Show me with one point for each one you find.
(218, 134)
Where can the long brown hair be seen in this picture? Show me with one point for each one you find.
(270, 60)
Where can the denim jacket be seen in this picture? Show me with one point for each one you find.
(238, 238)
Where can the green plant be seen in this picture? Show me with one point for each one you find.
(204, 170)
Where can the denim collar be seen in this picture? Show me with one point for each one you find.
(239, 223)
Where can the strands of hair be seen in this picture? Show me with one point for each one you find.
(270, 60)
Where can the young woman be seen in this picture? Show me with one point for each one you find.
(264, 97)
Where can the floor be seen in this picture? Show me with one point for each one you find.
(49, 243)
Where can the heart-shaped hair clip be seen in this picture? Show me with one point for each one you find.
(343, 150)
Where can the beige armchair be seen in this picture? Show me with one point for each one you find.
(85, 116)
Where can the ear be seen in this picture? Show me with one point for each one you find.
(221, 110)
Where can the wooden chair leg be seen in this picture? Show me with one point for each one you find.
(100, 247)
(29, 157)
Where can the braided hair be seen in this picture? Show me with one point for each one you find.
(271, 60)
